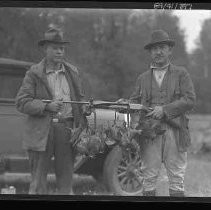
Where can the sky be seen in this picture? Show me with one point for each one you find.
(191, 21)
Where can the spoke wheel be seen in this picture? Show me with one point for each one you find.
(122, 172)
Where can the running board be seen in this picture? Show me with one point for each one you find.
(25, 178)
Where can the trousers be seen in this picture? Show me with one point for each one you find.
(58, 146)
(163, 150)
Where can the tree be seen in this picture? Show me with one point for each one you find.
(200, 68)
(106, 45)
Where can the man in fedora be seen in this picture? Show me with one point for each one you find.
(45, 134)
(169, 90)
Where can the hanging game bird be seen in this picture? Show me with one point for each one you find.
(90, 144)
(150, 127)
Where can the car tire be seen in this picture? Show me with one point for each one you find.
(114, 175)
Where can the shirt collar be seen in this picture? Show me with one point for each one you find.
(48, 71)
(164, 68)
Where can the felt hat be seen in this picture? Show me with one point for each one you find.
(53, 35)
(159, 37)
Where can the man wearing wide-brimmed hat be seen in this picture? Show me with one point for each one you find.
(45, 134)
(169, 90)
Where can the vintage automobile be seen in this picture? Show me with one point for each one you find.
(120, 174)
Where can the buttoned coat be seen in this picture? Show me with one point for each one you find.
(180, 96)
(37, 120)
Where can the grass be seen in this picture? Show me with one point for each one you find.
(198, 176)
(198, 173)
(89, 186)
(82, 185)
(197, 181)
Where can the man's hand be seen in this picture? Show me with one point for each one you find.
(157, 112)
(54, 106)
(87, 110)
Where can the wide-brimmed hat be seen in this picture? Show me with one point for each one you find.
(159, 37)
(53, 35)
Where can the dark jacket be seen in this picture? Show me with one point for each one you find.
(29, 101)
(181, 98)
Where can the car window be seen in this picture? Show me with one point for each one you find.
(11, 76)
(9, 85)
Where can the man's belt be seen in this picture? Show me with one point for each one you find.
(63, 120)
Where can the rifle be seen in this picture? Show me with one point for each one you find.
(124, 107)
(101, 104)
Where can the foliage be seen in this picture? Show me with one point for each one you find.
(200, 62)
(106, 45)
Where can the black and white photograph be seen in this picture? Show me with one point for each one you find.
(105, 101)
